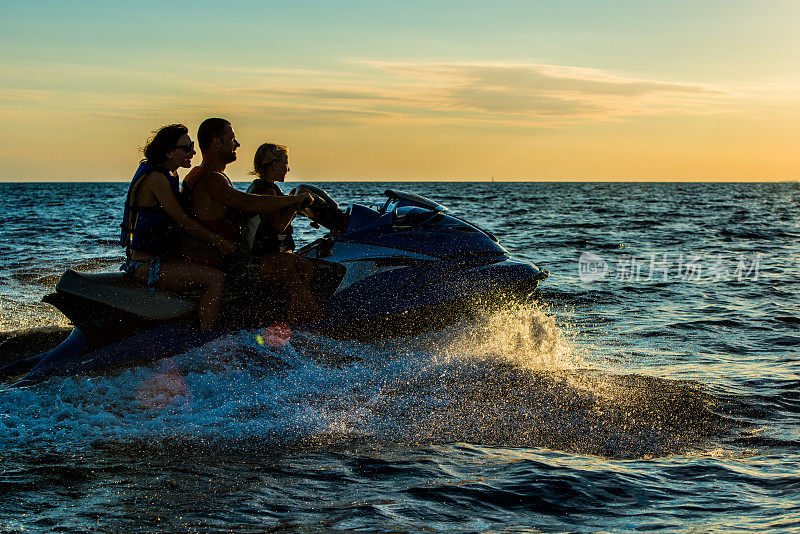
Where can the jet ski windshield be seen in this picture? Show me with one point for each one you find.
(409, 218)
(399, 199)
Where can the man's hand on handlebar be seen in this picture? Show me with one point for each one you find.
(304, 200)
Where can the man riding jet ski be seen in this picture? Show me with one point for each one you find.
(404, 268)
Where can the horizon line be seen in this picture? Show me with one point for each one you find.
(423, 180)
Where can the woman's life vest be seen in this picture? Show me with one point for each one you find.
(262, 236)
(148, 228)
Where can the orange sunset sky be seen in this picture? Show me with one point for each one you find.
(450, 90)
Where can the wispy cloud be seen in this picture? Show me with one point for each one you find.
(25, 96)
(521, 95)
(458, 93)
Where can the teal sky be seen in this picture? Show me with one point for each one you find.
(541, 85)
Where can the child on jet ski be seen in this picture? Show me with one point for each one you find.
(270, 237)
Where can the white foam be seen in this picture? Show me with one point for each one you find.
(481, 383)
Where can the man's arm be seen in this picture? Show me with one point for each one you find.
(218, 187)
(159, 185)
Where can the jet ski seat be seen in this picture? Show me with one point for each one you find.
(119, 291)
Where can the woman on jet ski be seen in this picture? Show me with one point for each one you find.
(271, 237)
(151, 220)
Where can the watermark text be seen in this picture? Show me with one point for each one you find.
(669, 267)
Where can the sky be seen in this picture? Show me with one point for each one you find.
(414, 90)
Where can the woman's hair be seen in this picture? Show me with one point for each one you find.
(164, 140)
(265, 155)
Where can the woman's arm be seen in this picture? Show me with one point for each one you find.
(285, 219)
(159, 186)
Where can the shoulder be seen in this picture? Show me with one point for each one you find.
(199, 178)
(261, 187)
(156, 177)
(214, 176)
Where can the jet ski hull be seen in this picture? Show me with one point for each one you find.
(73, 356)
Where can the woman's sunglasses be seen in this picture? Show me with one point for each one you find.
(187, 148)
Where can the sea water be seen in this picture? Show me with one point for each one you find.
(654, 385)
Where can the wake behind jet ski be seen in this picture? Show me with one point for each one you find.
(404, 268)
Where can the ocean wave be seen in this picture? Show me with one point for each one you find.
(513, 379)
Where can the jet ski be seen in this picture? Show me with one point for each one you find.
(403, 268)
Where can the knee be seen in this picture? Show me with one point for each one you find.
(304, 266)
(274, 268)
(215, 278)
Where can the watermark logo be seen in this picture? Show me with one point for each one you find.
(670, 267)
(591, 267)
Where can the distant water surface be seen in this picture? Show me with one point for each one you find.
(655, 387)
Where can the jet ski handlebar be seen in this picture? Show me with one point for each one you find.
(324, 210)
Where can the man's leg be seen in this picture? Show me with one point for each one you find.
(279, 268)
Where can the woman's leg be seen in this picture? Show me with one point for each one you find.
(179, 275)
